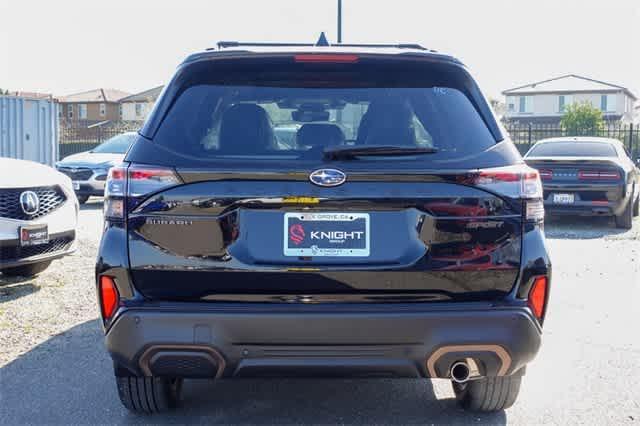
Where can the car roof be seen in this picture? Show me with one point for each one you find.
(580, 139)
(258, 49)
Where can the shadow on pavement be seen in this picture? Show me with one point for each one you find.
(581, 228)
(68, 379)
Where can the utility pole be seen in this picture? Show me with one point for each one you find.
(339, 21)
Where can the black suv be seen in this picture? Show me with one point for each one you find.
(398, 234)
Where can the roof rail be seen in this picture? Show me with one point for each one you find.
(232, 44)
(228, 44)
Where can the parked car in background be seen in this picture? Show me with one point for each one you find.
(587, 176)
(88, 170)
(38, 216)
(413, 248)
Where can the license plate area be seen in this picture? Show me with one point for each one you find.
(76, 185)
(33, 235)
(326, 234)
(563, 198)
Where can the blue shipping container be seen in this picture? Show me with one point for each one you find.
(29, 129)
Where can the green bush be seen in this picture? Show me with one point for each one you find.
(582, 119)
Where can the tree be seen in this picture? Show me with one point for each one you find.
(581, 119)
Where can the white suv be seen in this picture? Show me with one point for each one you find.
(38, 217)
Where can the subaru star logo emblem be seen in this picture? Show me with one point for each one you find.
(29, 202)
(327, 177)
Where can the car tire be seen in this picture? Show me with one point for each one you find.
(636, 207)
(625, 220)
(26, 270)
(488, 394)
(82, 198)
(148, 395)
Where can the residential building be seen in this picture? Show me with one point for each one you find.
(94, 105)
(137, 107)
(544, 102)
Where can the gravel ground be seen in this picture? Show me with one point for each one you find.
(586, 373)
(33, 310)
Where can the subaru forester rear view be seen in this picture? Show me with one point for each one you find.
(393, 231)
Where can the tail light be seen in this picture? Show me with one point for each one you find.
(545, 174)
(109, 297)
(537, 300)
(599, 175)
(127, 185)
(521, 182)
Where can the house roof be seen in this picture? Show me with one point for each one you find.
(96, 95)
(569, 83)
(147, 96)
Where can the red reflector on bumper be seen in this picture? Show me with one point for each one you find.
(109, 297)
(538, 297)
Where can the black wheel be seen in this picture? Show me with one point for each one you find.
(489, 393)
(148, 395)
(636, 207)
(82, 198)
(26, 270)
(625, 220)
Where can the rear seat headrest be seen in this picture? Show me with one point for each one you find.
(319, 134)
(246, 128)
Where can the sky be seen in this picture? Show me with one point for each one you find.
(69, 46)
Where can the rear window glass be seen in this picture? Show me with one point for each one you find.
(296, 116)
(573, 149)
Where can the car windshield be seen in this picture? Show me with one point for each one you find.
(572, 149)
(299, 117)
(116, 145)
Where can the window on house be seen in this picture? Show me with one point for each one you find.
(611, 103)
(603, 102)
(526, 104)
(70, 111)
(103, 110)
(139, 109)
(120, 110)
(82, 111)
(564, 101)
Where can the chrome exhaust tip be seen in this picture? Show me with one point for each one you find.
(460, 372)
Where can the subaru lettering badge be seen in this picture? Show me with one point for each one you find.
(29, 202)
(328, 177)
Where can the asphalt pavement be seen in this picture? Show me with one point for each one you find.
(588, 370)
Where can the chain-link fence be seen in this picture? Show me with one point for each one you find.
(79, 136)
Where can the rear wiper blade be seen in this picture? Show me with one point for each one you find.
(351, 152)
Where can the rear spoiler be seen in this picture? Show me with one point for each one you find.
(578, 161)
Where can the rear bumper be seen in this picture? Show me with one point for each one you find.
(590, 200)
(382, 340)
(585, 208)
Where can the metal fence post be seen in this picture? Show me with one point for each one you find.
(631, 139)
(529, 138)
